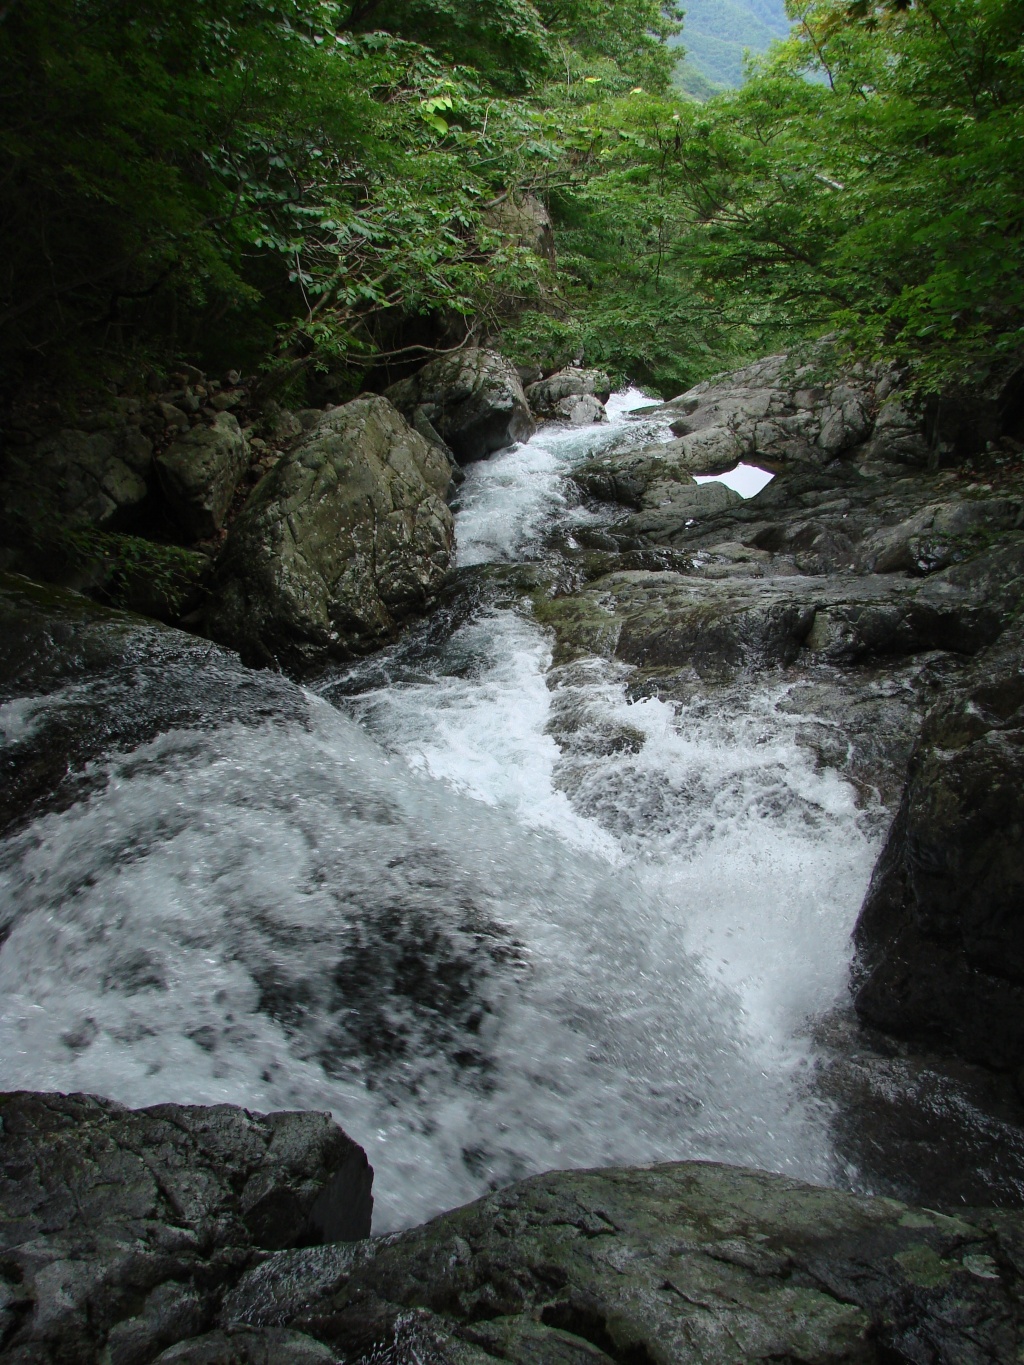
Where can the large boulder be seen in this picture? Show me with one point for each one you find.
(547, 396)
(200, 471)
(94, 477)
(473, 399)
(657, 483)
(688, 1262)
(121, 1229)
(940, 937)
(347, 535)
(778, 411)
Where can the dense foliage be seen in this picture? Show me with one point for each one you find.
(177, 174)
(880, 199)
(302, 183)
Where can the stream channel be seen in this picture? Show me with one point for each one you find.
(497, 917)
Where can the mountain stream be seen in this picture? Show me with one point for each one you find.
(497, 917)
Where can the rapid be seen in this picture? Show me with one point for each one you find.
(497, 916)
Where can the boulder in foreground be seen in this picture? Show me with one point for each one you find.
(122, 1229)
(347, 535)
(684, 1263)
(473, 399)
(941, 934)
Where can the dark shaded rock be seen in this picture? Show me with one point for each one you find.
(98, 680)
(473, 399)
(200, 471)
(917, 1125)
(97, 477)
(671, 619)
(941, 934)
(246, 1347)
(123, 1228)
(685, 1262)
(346, 536)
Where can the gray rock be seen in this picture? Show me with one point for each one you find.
(668, 619)
(580, 411)
(96, 478)
(346, 536)
(679, 1263)
(778, 414)
(200, 471)
(938, 535)
(173, 416)
(121, 1228)
(940, 937)
(657, 483)
(272, 1346)
(545, 395)
(472, 398)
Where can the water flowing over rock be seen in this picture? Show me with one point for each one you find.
(347, 535)
(200, 471)
(83, 681)
(122, 1229)
(473, 399)
(506, 912)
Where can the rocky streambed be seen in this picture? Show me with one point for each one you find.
(565, 876)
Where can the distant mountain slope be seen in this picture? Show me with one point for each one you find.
(715, 35)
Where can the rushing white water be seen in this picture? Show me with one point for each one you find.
(497, 919)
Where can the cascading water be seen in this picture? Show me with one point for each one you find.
(497, 918)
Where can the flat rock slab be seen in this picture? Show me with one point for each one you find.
(688, 1262)
(667, 619)
(121, 1229)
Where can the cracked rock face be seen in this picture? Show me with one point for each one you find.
(550, 397)
(778, 412)
(473, 400)
(346, 536)
(122, 1229)
(941, 934)
(200, 471)
(688, 1262)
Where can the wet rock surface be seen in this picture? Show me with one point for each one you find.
(686, 1262)
(78, 680)
(347, 535)
(883, 590)
(473, 400)
(941, 934)
(123, 1229)
(861, 576)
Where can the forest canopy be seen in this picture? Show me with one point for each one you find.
(303, 185)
